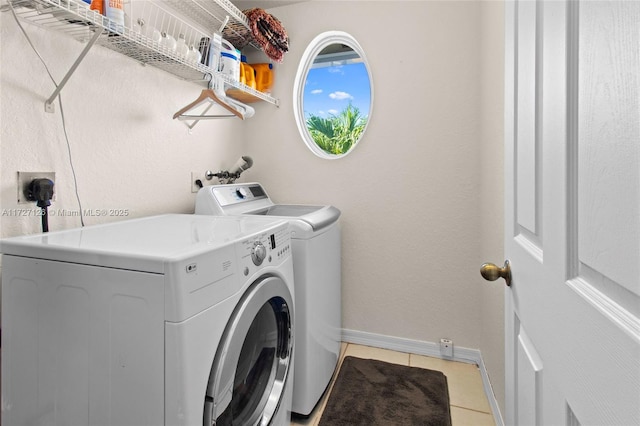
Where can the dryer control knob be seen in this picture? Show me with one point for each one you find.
(258, 253)
(242, 193)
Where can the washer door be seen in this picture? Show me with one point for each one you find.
(252, 362)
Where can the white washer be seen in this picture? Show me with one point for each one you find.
(167, 320)
(315, 234)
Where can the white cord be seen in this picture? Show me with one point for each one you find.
(64, 125)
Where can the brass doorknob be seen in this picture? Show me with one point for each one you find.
(491, 272)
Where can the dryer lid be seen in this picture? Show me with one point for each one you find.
(318, 217)
(252, 199)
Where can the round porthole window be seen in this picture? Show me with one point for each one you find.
(333, 94)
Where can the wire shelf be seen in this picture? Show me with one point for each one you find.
(211, 15)
(135, 39)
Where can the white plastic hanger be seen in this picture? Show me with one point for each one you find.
(214, 94)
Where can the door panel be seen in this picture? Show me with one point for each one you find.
(608, 143)
(529, 373)
(526, 137)
(572, 212)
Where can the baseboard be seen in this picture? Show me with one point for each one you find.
(470, 356)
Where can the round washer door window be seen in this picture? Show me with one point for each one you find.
(252, 362)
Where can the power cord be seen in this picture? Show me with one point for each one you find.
(64, 125)
(41, 191)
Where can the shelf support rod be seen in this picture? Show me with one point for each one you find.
(48, 105)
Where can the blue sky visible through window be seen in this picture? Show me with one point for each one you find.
(330, 89)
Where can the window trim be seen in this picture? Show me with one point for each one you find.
(306, 63)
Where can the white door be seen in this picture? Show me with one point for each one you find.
(572, 212)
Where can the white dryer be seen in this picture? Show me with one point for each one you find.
(167, 320)
(315, 234)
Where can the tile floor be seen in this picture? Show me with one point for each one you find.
(469, 404)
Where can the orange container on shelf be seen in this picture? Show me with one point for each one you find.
(247, 75)
(97, 5)
(242, 79)
(264, 77)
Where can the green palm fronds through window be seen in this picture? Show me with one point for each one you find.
(338, 133)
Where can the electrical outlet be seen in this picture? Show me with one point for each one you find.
(446, 348)
(25, 178)
(197, 176)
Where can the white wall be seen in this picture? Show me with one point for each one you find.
(127, 150)
(412, 192)
(420, 196)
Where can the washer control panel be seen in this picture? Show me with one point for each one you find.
(268, 248)
(227, 195)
